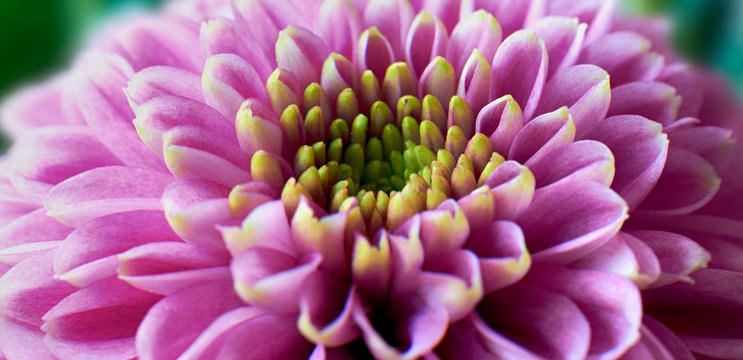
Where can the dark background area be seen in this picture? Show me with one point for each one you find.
(40, 37)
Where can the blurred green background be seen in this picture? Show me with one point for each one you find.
(39, 37)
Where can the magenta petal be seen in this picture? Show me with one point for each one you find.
(542, 135)
(122, 232)
(563, 38)
(653, 100)
(513, 189)
(481, 342)
(520, 70)
(538, 319)
(258, 25)
(599, 15)
(639, 149)
(657, 342)
(37, 106)
(302, 53)
(105, 108)
(254, 233)
(109, 309)
(687, 183)
(223, 36)
(157, 81)
(371, 267)
(501, 120)
(685, 80)
(116, 349)
(248, 330)
(324, 235)
(374, 53)
(21, 340)
(176, 321)
(678, 255)
(584, 88)
(474, 83)
(228, 80)
(624, 55)
(15, 254)
(427, 39)
(444, 229)
(454, 282)
(194, 208)
(168, 256)
(581, 160)
(169, 283)
(611, 304)
(502, 254)
(32, 227)
(55, 153)
(424, 326)
(29, 289)
(270, 279)
(515, 15)
(478, 30)
(339, 24)
(560, 228)
(103, 191)
(393, 19)
(151, 42)
(326, 309)
(407, 258)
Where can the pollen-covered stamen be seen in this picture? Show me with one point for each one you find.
(380, 148)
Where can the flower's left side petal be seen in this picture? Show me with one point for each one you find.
(228, 80)
(22, 340)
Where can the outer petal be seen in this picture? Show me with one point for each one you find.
(678, 255)
(542, 135)
(478, 30)
(560, 228)
(520, 70)
(427, 39)
(157, 81)
(513, 189)
(502, 254)
(581, 160)
(339, 24)
(653, 100)
(302, 53)
(563, 38)
(228, 80)
(501, 120)
(21, 340)
(393, 18)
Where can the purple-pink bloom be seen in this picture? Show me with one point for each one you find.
(384, 179)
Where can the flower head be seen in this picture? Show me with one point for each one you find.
(384, 179)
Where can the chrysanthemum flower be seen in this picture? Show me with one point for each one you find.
(374, 179)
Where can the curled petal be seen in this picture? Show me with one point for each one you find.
(584, 88)
(639, 148)
(678, 255)
(520, 70)
(474, 83)
(270, 279)
(105, 191)
(393, 18)
(407, 258)
(444, 229)
(479, 207)
(161, 41)
(543, 135)
(228, 80)
(481, 342)
(426, 40)
(324, 235)
(563, 38)
(25, 230)
(626, 56)
(599, 15)
(575, 229)
(302, 53)
(223, 36)
(339, 24)
(36, 106)
(193, 209)
(513, 188)
(501, 120)
(157, 81)
(374, 52)
(22, 340)
(581, 160)
(657, 342)
(371, 267)
(326, 311)
(453, 281)
(255, 233)
(502, 254)
(478, 30)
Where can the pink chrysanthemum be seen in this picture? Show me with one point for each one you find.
(384, 179)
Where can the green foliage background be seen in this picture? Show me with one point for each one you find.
(39, 37)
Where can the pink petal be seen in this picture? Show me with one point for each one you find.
(248, 330)
(326, 309)
(254, 233)
(169, 283)
(478, 30)
(611, 304)
(584, 88)
(515, 15)
(581, 160)
(520, 70)
(174, 322)
(374, 53)
(37, 106)
(270, 279)
(563, 38)
(223, 36)
(168, 256)
(678, 255)
(542, 135)
(687, 183)
(116, 349)
(598, 14)
(258, 26)
(15, 254)
(407, 258)
(427, 39)
(653, 100)
(502, 253)
(97, 89)
(194, 208)
(474, 84)
(481, 342)
(324, 235)
(103, 191)
(371, 267)
(501, 121)
(657, 342)
(163, 41)
(624, 55)
(452, 281)
(228, 80)
(448, 11)
(21, 340)
(639, 149)
(443, 230)
(106, 236)
(109, 309)
(53, 154)
(393, 19)
(33, 227)
(157, 81)
(682, 77)
(28, 290)
(560, 228)
(339, 24)
(479, 207)
(302, 53)
(513, 189)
